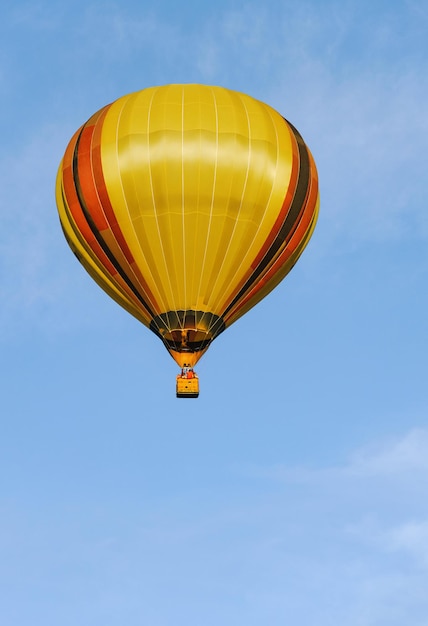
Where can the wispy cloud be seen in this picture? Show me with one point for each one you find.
(33, 278)
(400, 457)
(357, 94)
(363, 526)
(403, 459)
(410, 538)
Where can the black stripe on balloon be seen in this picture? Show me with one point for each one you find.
(98, 235)
(75, 230)
(289, 222)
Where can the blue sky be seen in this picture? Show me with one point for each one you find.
(295, 489)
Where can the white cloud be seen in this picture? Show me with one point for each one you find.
(354, 94)
(359, 102)
(380, 495)
(408, 454)
(403, 457)
(363, 526)
(411, 538)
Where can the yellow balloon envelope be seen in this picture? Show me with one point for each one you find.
(187, 204)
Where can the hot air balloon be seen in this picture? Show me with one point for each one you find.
(187, 204)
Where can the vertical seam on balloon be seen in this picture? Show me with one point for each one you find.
(71, 226)
(127, 300)
(212, 196)
(118, 168)
(127, 207)
(297, 207)
(271, 190)
(241, 202)
(183, 203)
(276, 228)
(114, 229)
(154, 206)
(70, 205)
(124, 102)
(97, 235)
(270, 195)
(307, 218)
(295, 210)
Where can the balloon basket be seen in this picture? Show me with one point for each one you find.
(187, 387)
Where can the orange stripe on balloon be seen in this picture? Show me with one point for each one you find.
(97, 200)
(74, 206)
(80, 226)
(99, 182)
(83, 234)
(86, 178)
(282, 216)
(297, 238)
(111, 223)
(301, 164)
